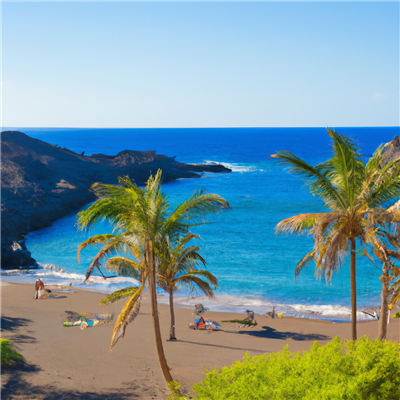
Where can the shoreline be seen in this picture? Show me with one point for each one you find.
(67, 362)
(312, 312)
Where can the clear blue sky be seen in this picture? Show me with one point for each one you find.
(212, 64)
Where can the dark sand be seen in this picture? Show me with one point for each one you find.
(70, 363)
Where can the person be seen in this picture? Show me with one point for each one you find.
(40, 290)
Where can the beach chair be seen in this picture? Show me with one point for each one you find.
(199, 309)
(271, 314)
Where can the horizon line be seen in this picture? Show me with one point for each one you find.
(197, 127)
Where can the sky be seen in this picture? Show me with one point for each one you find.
(192, 64)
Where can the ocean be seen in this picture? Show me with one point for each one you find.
(255, 268)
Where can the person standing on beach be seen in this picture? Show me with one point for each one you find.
(40, 290)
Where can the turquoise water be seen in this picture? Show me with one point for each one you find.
(255, 268)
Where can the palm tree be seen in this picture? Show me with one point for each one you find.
(178, 267)
(387, 223)
(350, 190)
(141, 215)
(175, 267)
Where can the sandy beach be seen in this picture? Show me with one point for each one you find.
(70, 363)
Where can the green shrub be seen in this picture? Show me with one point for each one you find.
(9, 356)
(397, 315)
(357, 370)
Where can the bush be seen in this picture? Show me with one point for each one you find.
(9, 356)
(339, 370)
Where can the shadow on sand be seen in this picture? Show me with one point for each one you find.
(221, 346)
(16, 386)
(9, 323)
(271, 333)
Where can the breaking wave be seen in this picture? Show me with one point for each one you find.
(239, 304)
(55, 275)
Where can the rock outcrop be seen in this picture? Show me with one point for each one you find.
(41, 182)
(392, 151)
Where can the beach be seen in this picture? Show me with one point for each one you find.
(70, 363)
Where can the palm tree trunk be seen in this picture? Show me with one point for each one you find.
(171, 309)
(383, 318)
(382, 331)
(154, 310)
(353, 290)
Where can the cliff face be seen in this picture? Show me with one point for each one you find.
(392, 151)
(41, 182)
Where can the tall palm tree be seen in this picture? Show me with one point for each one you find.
(178, 267)
(141, 215)
(350, 190)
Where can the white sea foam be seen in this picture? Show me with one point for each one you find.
(239, 304)
(236, 167)
(54, 275)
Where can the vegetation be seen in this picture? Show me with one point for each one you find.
(9, 356)
(241, 321)
(353, 370)
(397, 315)
(179, 267)
(142, 221)
(353, 193)
(176, 266)
(388, 223)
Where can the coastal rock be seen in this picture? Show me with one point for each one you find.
(392, 151)
(42, 182)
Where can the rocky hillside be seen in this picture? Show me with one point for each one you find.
(41, 182)
(392, 151)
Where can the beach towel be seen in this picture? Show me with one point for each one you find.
(86, 320)
(204, 324)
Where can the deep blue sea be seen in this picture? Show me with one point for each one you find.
(255, 268)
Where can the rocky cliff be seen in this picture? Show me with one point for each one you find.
(41, 182)
(392, 151)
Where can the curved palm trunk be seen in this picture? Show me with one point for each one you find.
(171, 309)
(154, 310)
(383, 318)
(353, 290)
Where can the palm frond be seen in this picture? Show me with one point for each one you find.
(193, 211)
(386, 187)
(346, 169)
(368, 256)
(119, 295)
(196, 283)
(201, 273)
(305, 261)
(298, 223)
(97, 239)
(124, 266)
(315, 178)
(127, 315)
(114, 244)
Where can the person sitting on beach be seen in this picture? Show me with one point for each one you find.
(201, 324)
(40, 290)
